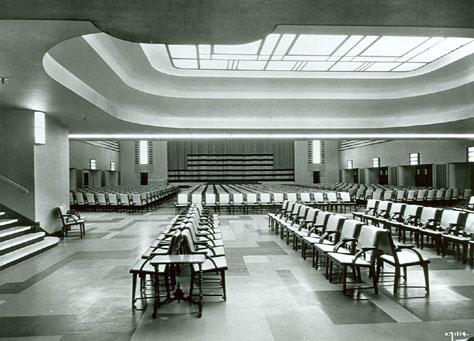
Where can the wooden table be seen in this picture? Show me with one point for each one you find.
(174, 260)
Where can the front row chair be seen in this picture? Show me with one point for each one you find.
(400, 257)
(69, 219)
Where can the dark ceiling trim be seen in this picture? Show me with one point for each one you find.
(238, 21)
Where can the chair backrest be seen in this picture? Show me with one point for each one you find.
(183, 198)
(428, 213)
(421, 194)
(251, 198)
(411, 195)
(196, 198)
(360, 193)
(62, 210)
(322, 218)
(440, 194)
(367, 236)
(400, 195)
(372, 203)
(265, 198)
(412, 210)
(469, 224)
(384, 205)
(318, 196)
(311, 215)
(285, 204)
(305, 197)
(296, 208)
(387, 195)
(101, 198)
(278, 197)
(345, 196)
(431, 194)
(467, 193)
(449, 217)
(386, 245)
(136, 199)
(378, 194)
(397, 208)
(210, 198)
(188, 240)
(334, 223)
(350, 228)
(303, 211)
(90, 198)
(455, 193)
(224, 198)
(448, 194)
(71, 198)
(291, 196)
(291, 204)
(124, 199)
(112, 198)
(332, 196)
(237, 198)
(79, 198)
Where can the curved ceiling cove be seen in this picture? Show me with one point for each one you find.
(430, 79)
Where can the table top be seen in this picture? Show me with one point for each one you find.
(178, 259)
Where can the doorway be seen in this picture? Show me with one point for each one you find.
(144, 178)
(316, 177)
(424, 176)
(383, 176)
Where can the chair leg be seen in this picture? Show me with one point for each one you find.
(396, 280)
(223, 285)
(134, 288)
(344, 278)
(427, 279)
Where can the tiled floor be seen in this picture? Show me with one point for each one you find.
(81, 290)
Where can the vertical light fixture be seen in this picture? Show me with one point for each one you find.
(350, 164)
(143, 152)
(92, 164)
(112, 166)
(376, 162)
(40, 128)
(470, 154)
(414, 159)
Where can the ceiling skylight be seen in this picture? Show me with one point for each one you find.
(319, 53)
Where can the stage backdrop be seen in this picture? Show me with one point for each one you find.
(230, 161)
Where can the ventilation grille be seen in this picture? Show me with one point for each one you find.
(310, 153)
(350, 144)
(111, 145)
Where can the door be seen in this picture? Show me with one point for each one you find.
(144, 179)
(355, 176)
(383, 176)
(86, 179)
(424, 176)
(316, 177)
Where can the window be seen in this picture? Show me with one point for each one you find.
(40, 128)
(376, 162)
(143, 152)
(92, 164)
(349, 164)
(316, 151)
(112, 166)
(470, 154)
(414, 159)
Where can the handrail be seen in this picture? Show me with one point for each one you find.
(14, 184)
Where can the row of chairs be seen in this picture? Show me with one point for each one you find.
(195, 231)
(345, 244)
(443, 227)
(147, 199)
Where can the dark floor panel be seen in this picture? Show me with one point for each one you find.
(447, 263)
(346, 310)
(441, 311)
(104, 221)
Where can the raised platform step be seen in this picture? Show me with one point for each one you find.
(19, 242)
(14, 232)
(26, 252)
(5, 222)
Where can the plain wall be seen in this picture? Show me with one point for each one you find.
(17, 155)
(81, 152)
(51, 171)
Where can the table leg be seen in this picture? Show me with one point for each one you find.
(200, 290)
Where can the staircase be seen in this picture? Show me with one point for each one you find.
(18, 243)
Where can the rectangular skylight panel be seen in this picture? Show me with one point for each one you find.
(346, 66)
(374, 59)
(269, 44)
(252, 65)
(394, 46)
(312, 44)
(317, 66)
(284, 44)
(382, 66)
(420, 48)
(185, 63)
(280, 65)
(347, 45)
(182, 51)
(235, 56)
(361, 46)
(249, 48)
(440, 49)
(213, 64)
(409, 66)
(306, 58)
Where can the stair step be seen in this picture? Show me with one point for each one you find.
(26, 252)
(5, 222)
(19, 242)
(13, 232)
